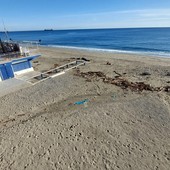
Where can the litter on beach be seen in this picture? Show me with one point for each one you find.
(114, 96)
(81, 102)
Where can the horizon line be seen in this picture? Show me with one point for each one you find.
(51, 29)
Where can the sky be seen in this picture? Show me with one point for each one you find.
(83, 14)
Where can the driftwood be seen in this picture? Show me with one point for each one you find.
(145, 73)
(117, 73)
(80, 58)
(121, 82)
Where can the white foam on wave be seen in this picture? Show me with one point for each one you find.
(148, 53)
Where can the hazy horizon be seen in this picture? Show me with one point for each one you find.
(48, 29)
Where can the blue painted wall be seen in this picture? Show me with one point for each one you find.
(6, 71)
(9, 70)
(21, 66)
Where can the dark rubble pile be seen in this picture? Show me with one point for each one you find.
(120, 81)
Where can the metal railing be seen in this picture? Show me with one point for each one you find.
(55, 72)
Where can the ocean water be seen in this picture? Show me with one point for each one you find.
(147, 41)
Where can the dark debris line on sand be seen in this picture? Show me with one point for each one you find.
(121, 82)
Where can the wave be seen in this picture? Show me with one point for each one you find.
(148, 53)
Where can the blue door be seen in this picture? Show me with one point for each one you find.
(21, 66)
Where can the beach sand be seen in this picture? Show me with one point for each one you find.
(42, 128)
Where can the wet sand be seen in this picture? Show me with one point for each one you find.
(42, 128)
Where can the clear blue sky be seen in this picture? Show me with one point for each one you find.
(78, 14)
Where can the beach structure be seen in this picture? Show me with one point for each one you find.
(13, 60)
(55, 71)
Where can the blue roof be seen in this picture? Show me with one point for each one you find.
(21, 59)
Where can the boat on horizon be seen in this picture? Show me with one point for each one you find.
(48, 30)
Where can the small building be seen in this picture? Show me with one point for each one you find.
(12, 62)
(10, 69)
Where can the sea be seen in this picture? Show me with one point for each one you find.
(145, 41)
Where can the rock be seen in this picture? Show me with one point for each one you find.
(168, 74)
(85, 59)
(145, 73)
(108, 63)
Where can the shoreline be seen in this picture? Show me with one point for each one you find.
(112, 51)
(102, 55)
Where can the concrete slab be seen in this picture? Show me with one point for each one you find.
(12, 85)
(28, 75)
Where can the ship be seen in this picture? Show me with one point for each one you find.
(48, 30)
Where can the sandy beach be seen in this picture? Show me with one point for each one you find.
(42, 128)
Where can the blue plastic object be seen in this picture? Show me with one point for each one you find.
(81, 102)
